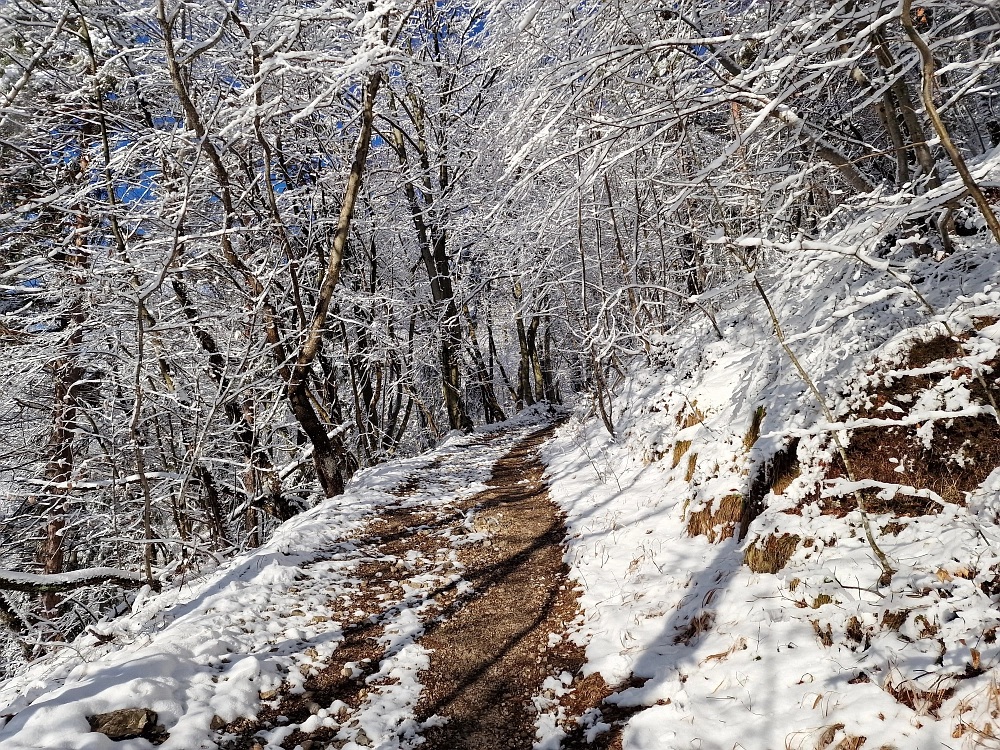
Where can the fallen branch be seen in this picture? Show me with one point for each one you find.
(42, 584)
(920, 418)
(887, 491)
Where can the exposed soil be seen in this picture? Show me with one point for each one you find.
(491, 651)
(962, 453)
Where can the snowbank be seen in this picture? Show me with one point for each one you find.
(723, 462)
(219, 647)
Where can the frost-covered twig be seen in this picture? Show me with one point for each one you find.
(887, 569)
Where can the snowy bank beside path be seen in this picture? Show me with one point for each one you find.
(758, 661)
(720, 553)
(214, 649)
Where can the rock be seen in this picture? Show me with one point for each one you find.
(217, 723)
(306, 744)
(268, 695)
(127, 724)
(362, 739)
(313, 707)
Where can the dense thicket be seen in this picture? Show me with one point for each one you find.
(249, 248)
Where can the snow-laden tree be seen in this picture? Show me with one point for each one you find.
(251, 247)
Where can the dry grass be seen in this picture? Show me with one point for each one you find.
(680, 448)
(781, 481)
(894, 620)
(923, 702)
(851, 742)
(985, 704)
(771, 554)
(692, 463)
(754, 432)
(690, 416)
(698, 624)
(823, 739)
(825, 636)
(718, 520)
(739, 645)
(773, 475)
(854, 630)
(827, 736)
(928, 629)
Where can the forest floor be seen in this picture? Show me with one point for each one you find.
(439, 617)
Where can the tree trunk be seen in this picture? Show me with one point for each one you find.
(536, 364)
(432, 241)
(915, 131)
(326, 456)
(524, 395)
(67, 375)
(491, 406)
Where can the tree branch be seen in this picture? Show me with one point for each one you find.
(42, 584)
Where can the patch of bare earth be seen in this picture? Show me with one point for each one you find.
(490, 650)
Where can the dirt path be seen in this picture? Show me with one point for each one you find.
(491, 651)
(494, 631)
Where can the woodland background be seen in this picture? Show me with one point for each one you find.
(249, 248)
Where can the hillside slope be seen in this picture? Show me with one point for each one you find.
(718, 542)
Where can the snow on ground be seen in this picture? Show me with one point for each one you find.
(816, 653)
(211, 646)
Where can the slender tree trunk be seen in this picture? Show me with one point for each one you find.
(432, 241)
(915, 131)
(536, 365)
(490, 404)
(524, 395)
(67, 376)
(927, 93)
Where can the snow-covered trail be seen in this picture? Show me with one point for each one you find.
(314, 640)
